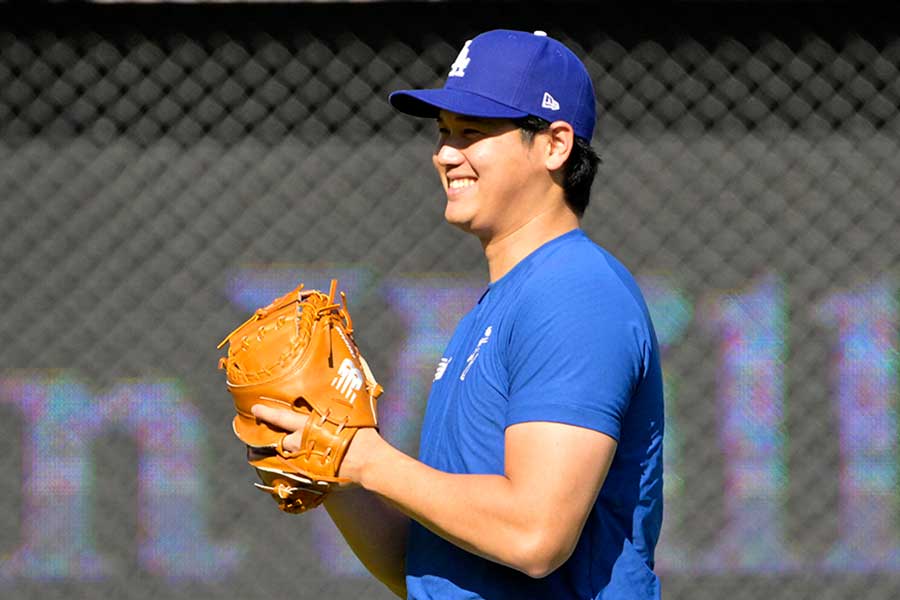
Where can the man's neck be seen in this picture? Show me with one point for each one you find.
(506, 252)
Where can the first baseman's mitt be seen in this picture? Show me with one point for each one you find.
(298, 353)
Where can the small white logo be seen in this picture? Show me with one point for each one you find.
(348, 381)
(471, 360)
(549, 102)
(458, 68)
(442, 366)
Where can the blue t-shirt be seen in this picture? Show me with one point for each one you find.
(566, 337)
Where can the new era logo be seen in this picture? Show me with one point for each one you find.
(549, 102)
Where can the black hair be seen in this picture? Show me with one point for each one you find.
(579, 170)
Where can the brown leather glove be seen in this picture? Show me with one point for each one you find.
(298, 353)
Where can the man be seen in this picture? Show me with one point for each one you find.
(540, 467)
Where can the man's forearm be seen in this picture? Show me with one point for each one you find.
(375, 531)
(476, 512)
(529, 518)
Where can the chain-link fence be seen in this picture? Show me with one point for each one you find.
(165, 170)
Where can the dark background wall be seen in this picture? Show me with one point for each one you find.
(165, 169)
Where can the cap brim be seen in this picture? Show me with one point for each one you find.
(427, 104)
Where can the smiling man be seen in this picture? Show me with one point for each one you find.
(540, 465)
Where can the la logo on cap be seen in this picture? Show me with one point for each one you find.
(458, 68)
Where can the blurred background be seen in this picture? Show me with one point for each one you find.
(167, 168)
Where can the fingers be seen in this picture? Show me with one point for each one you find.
(283, 419)
(293, 442)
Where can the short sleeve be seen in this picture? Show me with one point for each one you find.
(576, 358)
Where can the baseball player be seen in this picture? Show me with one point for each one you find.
(540, 465)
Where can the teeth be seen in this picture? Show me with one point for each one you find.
(456, 184)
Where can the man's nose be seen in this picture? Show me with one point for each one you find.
(448, 154)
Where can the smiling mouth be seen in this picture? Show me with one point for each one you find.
(458, 184)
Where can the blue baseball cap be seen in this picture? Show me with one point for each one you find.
(511, 74)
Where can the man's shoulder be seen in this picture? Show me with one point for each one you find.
(576, 264)
(581, 280)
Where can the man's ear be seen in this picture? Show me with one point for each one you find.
(560, 141)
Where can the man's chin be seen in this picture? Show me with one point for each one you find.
(467, 226)
(459, 221)
(461, 225)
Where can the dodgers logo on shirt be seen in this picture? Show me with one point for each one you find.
(442, 366)
(471, 360)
